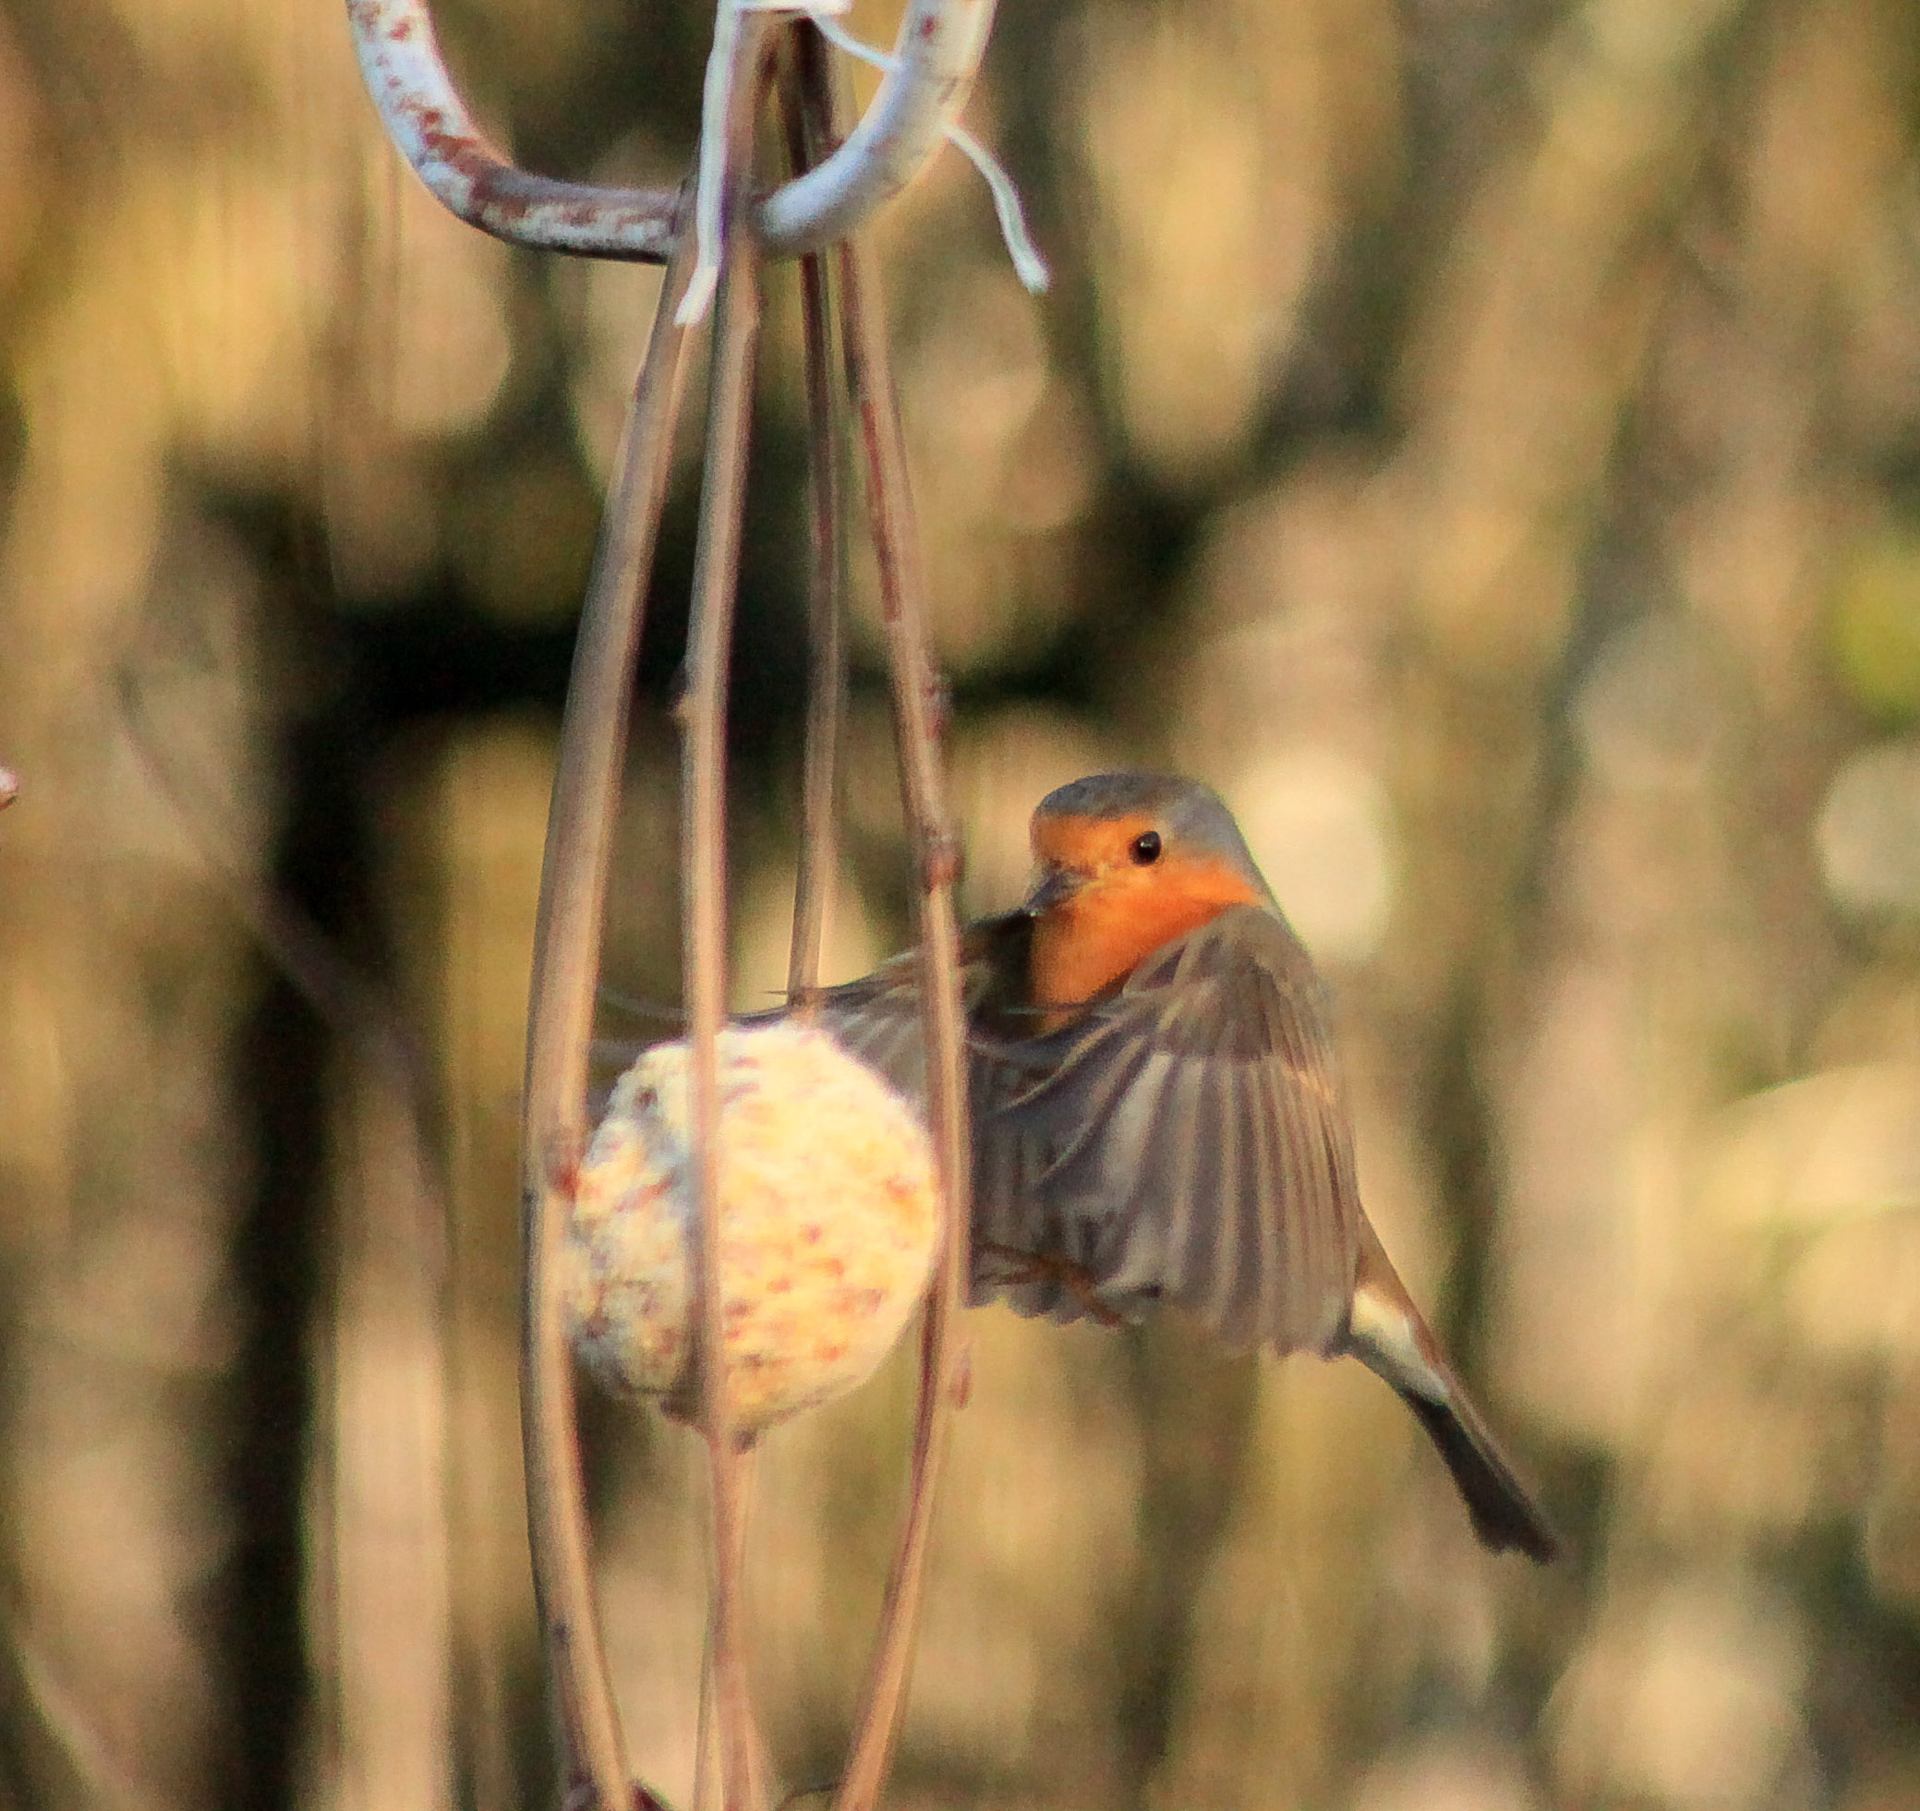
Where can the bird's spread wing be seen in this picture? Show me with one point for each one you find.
(1195, 1145)
(1184, 1140)
(877, 1018)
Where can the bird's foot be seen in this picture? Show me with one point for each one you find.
(1018, 1268)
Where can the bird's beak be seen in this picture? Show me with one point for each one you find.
(1054, 888)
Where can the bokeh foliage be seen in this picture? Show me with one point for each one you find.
(1484, 439)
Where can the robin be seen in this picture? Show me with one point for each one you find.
(1158, 1115)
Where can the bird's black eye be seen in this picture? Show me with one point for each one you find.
(1145, 848)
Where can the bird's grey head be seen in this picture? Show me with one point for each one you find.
(1147, 818)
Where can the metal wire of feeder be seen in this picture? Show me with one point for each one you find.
(835, 180)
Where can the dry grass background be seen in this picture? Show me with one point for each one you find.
(1482, 438)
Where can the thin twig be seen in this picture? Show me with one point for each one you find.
(706, 1755)
(903, 603)
(398, 1112)
(703, 863)
(566, 963)
(826, 616)
(343, 996)
(54, 1744)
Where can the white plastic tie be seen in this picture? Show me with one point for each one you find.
(710, 187)
(1028, 264)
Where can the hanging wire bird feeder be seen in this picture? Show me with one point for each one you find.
(713, 235)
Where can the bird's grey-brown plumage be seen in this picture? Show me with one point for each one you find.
(1182, 1138)
(1146, 1143)
(1169, 1119)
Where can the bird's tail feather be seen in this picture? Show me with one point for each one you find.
(1386, 1333)
(1502, 1512)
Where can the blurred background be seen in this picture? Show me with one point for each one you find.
(1482, 438)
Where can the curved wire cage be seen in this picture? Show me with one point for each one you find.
(835, 178)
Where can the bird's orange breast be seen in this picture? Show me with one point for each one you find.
(1097, 938)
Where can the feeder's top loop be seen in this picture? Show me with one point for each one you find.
(935, 58)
